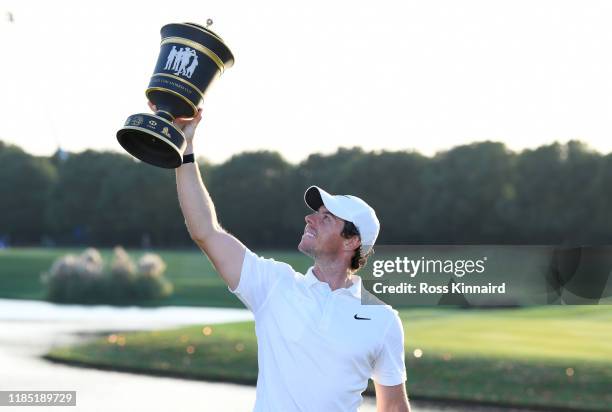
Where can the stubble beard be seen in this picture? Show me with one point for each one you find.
(306, 249)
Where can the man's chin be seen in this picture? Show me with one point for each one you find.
(304, 248)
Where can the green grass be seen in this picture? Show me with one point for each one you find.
(581, 333)
(216, 356)
(518, 357)
(195, 281)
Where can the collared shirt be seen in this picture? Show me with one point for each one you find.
(317, 348)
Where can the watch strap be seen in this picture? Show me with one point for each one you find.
(188, 158)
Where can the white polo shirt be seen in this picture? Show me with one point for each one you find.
(314, 354)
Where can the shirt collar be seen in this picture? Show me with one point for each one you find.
(354, 289)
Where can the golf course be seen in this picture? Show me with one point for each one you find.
(556, 357)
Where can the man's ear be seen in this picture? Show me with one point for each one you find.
(352, 243)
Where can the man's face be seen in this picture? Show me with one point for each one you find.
(322, 234)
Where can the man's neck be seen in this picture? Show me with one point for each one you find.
(335, 273)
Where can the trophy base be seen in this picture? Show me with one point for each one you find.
(153, 140)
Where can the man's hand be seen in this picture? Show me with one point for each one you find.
(186, 125)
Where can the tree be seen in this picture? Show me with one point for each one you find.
(251, 191)
(72, 209)
(25, 182)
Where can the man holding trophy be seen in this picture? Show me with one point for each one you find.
(318, 344)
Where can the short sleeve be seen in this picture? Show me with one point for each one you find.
(389, 367)
(257, 279)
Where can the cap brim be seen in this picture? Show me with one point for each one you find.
(312, 197)
(315, 197)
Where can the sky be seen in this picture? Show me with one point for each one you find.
(314, 76)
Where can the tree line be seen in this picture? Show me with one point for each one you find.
(475, 193)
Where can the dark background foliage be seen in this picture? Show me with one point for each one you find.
(476, 193)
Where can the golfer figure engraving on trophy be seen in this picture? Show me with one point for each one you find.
(179, 61)
(170, 58)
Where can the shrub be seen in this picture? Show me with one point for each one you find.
(83, 278)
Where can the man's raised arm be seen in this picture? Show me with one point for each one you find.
(225, 251)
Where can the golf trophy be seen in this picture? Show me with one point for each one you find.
(191, 57)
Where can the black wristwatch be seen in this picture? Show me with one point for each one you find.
(188, 158)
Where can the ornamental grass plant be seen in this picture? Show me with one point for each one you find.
(87, 279)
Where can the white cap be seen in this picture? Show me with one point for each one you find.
(349, 208)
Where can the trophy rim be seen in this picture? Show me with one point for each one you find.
(208, 32)
(156, 135)
(201, 28)
(175, 149)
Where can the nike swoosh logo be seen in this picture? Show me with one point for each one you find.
(358, 318)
